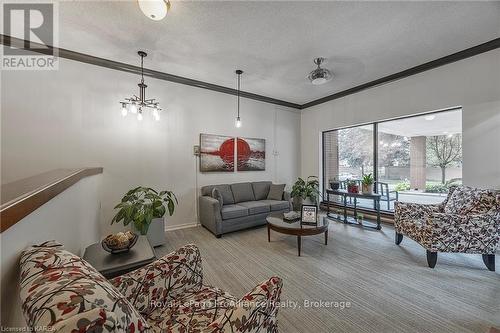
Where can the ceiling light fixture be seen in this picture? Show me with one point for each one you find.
(238, 119)
(319, 75)
(430, 117)
(136, 104)
(154, 9)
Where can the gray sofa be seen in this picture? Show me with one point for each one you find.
(244, 205)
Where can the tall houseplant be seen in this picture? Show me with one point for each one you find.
(305, 190)
(144, 208)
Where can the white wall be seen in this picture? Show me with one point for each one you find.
(472, 83)
(72, 218)
(71, 118)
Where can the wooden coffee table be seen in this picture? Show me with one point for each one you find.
(275, 222)
(112, 265)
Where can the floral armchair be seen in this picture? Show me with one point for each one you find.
(468, 221)
(63, 292)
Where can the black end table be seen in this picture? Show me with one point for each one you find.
(112, 265)
(344, 194)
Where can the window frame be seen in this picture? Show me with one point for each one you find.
(375, 144)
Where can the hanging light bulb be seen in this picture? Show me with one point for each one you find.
(139, 115)
(238, 119)
(124, 110)
(133, 108)
(155, 113)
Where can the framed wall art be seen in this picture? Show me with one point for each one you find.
(216, 153)
(251, 154)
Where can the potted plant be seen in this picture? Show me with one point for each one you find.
(367, 184)
(352, 186)
(334, 184)
(145, 208)
(305, 192)
(359, 219)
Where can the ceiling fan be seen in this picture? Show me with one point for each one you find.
(319, 75)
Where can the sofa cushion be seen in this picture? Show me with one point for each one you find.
(61, 290)
(468, 200)
(242, 192)
(233, 211)
(256, 207)
(224, 189)
(261, 190)
(277, 204)
(276, 192)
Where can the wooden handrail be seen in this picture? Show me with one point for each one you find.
(21, 197)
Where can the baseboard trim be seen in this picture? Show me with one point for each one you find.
(181, 226)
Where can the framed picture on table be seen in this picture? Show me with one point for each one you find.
(309, 215)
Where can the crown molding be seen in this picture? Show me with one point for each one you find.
(120, 66)
(467, 53)
(89, 59)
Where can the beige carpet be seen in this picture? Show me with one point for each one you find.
(389, 287)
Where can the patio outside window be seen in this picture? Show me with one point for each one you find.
(418, 158)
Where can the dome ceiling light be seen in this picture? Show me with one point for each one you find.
(154, 9)
(319, 75)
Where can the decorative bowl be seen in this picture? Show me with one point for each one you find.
(120, 242)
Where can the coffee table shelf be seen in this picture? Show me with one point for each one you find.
(275, 222)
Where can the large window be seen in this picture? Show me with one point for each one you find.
(417, 158)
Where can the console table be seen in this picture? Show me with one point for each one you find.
(349, 220)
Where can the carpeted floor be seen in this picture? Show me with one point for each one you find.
(389, 287)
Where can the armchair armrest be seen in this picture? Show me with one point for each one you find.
(163, 279)
(254, 312)
(407, 215)
(475, 233)
(412, 211)
(210, 214)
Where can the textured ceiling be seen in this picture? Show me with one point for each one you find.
(275, 42)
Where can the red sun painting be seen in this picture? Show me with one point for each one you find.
(216, 153)
(251, 154)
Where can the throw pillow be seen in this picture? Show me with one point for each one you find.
(218, 196)
(276, 192)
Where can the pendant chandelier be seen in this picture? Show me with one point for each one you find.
(238, 120)
(138, 104)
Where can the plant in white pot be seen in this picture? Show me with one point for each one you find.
(145, 208)
(367, 184)
(305, 192)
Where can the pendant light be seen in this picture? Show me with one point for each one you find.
(137, 104)
(238, 119)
